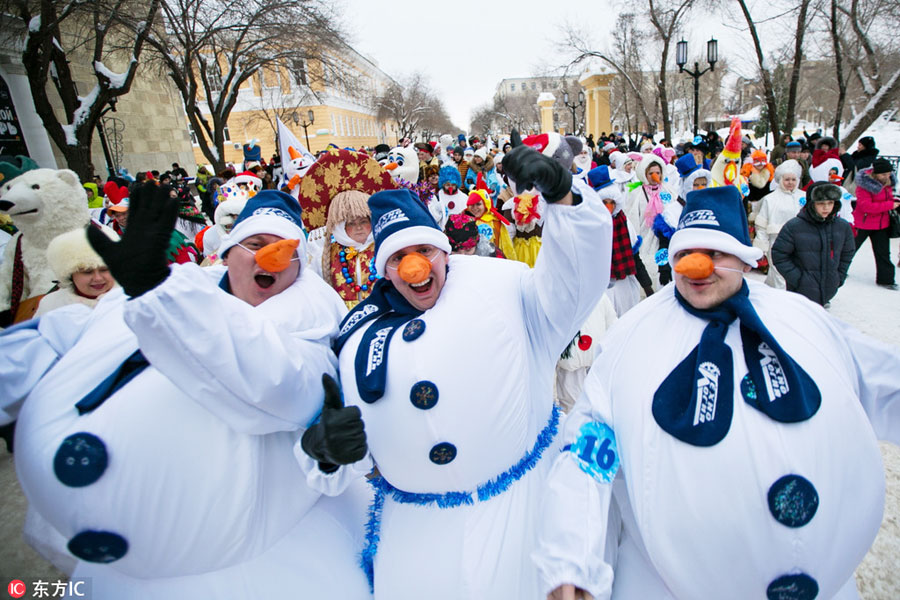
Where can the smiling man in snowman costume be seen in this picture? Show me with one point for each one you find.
(462, 459)
(157, 432)
(740, 462)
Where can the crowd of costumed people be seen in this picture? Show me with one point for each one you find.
(237, 383)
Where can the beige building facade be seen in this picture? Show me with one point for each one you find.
(343, 114)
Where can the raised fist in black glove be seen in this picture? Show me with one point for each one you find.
(138, 262)
(339, 438)
(529, 168)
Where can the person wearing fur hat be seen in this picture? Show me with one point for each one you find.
(465, 478)
(482, 163)
(830, 169)
(82, 276)
(345, 257)
(874, 198)
(165, 462)
(775, 209)
(814, 249)
(653, 210)
(744, 464)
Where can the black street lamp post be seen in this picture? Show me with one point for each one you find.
(573, 106)
(312, 117)
(104, 143)
(712, 55)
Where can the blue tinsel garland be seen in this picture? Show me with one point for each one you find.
(484, 492)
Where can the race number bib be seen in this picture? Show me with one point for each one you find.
(595, 451)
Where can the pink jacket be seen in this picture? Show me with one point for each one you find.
(873, 201)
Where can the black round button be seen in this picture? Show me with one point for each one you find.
(442, 453)
(793, 501)
(424, 395)
(413, 330)
(98, 546)
(793, 587)
(80, 460)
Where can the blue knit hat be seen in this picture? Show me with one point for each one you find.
(793, 145)
(599, 178)
(449, 173)
(271, 212)
(686, 165)
(715, 219)
(399, 220)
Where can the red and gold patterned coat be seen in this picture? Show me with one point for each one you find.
(354, 285)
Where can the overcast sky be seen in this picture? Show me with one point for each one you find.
(467, 46)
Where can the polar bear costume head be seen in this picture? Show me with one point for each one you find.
(43, 203)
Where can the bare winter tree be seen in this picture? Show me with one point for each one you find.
(583, 49)
(666, 17)
(483, 119)
(210, 49)
(413, 107)
(281, 101)
(51, 34)
(801, 10)
(873, 55)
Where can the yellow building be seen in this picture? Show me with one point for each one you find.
(343, 114)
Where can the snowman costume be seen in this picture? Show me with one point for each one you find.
(460, 454)
(772, 509)
(775, 209)
(175, 477)
(662, 203)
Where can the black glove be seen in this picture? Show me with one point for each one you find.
(529, 168)
(139, 261)
(339, 438)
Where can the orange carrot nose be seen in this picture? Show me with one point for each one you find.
(276, 257)
(655, 178)
(695, 266)
(391, 166)
(414, 268)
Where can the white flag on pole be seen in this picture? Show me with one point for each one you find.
(295, 158)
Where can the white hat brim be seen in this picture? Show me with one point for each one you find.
(710, 239)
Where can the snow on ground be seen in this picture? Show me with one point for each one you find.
(887, 136)
(873, 310)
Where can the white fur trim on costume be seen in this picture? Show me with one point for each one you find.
(711, 239)
(410, 236)
(266, 223)
(70, 252)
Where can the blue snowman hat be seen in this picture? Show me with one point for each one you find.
(715, 219)
(686, 165)
(399, 220)
(599, 178)
(271, 212)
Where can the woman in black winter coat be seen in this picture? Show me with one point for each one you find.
(814, 249)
